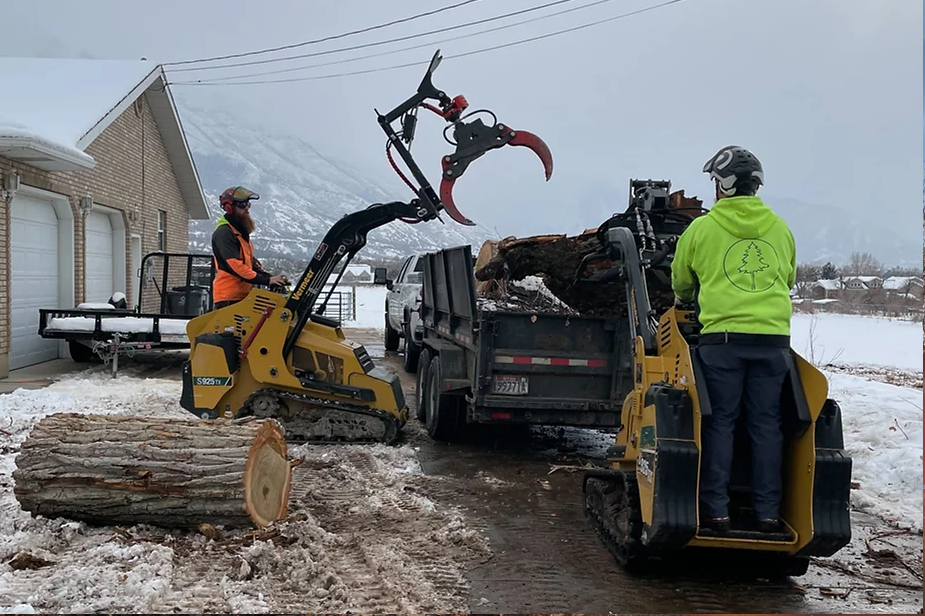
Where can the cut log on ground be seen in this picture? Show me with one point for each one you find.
(174, 473)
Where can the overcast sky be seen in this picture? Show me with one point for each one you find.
(827, 93)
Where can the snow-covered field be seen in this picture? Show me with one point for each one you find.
(370, 307)
(858, 340)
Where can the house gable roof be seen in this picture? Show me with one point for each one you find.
(64, 104)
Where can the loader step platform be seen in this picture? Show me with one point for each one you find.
(783, 536)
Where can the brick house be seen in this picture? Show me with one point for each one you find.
(96, 172)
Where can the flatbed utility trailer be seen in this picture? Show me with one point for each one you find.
(486, 366)
(174, 288)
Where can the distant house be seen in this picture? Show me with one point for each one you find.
(827, 288)
(96, 172)
(862, 283)
(356, 273)
(904, 285)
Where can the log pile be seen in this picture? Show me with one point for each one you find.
(174, 473)
(509, 271)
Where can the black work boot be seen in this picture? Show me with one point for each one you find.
(718, 524)
(768, 525)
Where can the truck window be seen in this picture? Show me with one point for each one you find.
(401, 272)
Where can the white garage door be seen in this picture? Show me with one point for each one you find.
(34, 284)
(99, 258)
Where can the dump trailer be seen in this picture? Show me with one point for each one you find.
(480, 365)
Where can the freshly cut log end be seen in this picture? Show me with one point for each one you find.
(267, 476)
(168, 472)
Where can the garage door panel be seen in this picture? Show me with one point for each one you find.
(34, 282)
(99, 257)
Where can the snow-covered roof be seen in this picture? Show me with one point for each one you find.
(53, 108)
(829, 284)
(898, 283)
(358, 269)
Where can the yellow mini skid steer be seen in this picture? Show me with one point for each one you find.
(645, 506)
(269, 355)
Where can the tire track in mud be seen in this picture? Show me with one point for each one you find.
(392, 548)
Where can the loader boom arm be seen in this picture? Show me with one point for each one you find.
(343, 239)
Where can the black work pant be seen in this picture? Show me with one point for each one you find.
(737, 373)
(224, 304)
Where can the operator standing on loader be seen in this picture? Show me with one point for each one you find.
(738, 263)
(236, 268)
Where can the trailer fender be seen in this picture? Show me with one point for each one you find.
(452, 364)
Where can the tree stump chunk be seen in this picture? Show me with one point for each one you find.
(168, 472)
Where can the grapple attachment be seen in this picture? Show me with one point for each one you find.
(475, 138)
(472, 139)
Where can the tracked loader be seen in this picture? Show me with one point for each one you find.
(645, 506)
(270, 355)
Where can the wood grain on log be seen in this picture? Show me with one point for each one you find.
(175, 473)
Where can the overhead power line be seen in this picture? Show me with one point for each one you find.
(326, 38)
(402, 49)
(378, 43)
(421, 63)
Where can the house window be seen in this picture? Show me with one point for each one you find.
(161, 231)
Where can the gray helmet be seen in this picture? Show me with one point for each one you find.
(731, 164)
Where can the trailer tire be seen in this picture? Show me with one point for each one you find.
(421, 387)
(442, 412)
(412, 350)
(81, 353)
(391, 336)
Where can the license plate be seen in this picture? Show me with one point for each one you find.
(510, 385)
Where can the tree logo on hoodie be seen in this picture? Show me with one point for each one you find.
(751, 265)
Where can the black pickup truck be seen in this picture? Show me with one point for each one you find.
(484, 366)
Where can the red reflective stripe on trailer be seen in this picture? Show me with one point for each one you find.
(550, 361)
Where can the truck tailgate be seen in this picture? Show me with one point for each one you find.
(547, 368)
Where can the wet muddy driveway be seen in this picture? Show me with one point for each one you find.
(522, 491)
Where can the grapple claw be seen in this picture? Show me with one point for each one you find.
(473, 139)
(537, 145)
(446, 197)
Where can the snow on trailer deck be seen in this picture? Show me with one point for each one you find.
(127, 325)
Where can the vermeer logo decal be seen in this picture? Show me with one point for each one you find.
(751, 265)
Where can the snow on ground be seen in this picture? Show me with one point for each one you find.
(370, 307)
(857, 340)
(363, 536)
(883, 434)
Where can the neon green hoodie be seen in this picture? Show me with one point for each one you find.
(740, 262)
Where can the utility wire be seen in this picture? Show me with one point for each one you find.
(401, 49)
(377, 43)
(327, 38)
(410, 64)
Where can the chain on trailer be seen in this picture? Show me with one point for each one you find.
(109, 350)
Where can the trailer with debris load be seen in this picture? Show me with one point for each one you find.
(536, 330)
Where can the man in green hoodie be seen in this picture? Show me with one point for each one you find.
(738, 264)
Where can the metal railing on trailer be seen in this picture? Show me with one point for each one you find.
(162, 309)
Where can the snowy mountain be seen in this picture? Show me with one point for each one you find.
(827, 233)
(302, 191)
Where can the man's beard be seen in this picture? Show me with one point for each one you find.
(245, 222)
